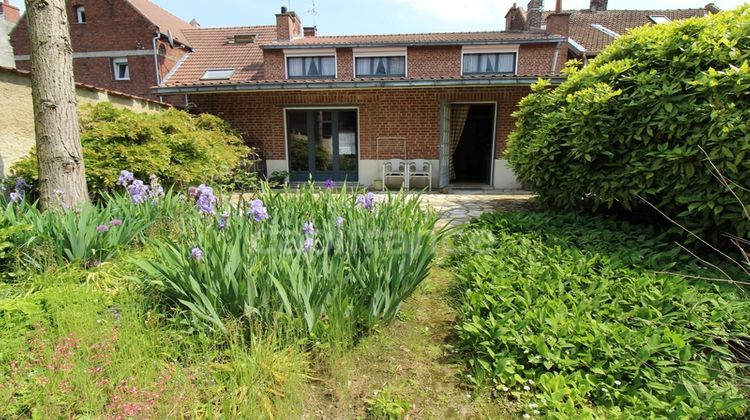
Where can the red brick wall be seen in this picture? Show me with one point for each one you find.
(273, 65)
(345, 63)
(434, 61)
(412, 113)
(110, 26)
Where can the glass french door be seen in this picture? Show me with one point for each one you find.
(322, 144)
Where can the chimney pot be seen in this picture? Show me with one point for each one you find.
(558, 6)
(283, 10)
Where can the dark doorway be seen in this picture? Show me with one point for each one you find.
(472, 158)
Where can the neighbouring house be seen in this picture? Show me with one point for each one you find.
(9, 15)
(17, 130)
(335, 107)
(121, 45)
(594, 28)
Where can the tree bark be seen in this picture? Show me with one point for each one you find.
(58, 140)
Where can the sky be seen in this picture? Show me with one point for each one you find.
(350, 17)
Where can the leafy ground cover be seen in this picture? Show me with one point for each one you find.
(569, 316)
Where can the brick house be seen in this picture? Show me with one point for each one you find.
(9, 16)
(594, 28)
(125, 46)
(335, 107)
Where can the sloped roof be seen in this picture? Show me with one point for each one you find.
(166, 21)
(619, 21)
(212, 51)
(445, 38)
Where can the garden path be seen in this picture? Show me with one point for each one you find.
(411, 361)
(456, 209)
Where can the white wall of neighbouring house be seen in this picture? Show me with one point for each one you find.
(6, 50)
(17, 126)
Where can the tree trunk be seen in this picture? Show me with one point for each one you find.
(58, 139)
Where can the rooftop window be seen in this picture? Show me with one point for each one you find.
(659, 19)
(218, 74)
(605, 30)
(242, 39)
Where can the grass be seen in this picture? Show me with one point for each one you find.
(410, 363)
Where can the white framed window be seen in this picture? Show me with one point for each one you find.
(218, 74)
(121, 69)
(487, 59)
(310, 64)
(80, 14)
(659, 19)
(380, 62)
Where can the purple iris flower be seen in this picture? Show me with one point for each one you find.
(126, 177)
(308, 245)
(223, 220)
(115, 222)
(15, 197)
(257, 211)
(206, 199)
(196, 254)
(102, 228)
(308, 229)
(138, 192)
(367, 201)
(21, 185)
(156, 189)
(328, 184)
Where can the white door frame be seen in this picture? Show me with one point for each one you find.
(445, 118)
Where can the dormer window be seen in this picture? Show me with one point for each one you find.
(486, 60)
(80, 14)
(379, 62)
(311, 64)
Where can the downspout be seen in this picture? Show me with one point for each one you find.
(156, 61)
(554, 56)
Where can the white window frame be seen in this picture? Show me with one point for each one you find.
(80, 14)
(489, 49)
(379, 52)
(311, 52)
(207, 75)
(659, 19)
(117, 62)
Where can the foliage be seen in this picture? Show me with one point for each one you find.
(346, 272)
(177, 147)
(634, 123)
(572, 316)
(388, 406)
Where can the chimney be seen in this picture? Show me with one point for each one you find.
(288, 25)
(596, 5)
(515, 19)
(558, 6)
(310, 31)
(195, 24)
(535, 12)
(9, 13)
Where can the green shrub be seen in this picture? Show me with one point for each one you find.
(633, 122)
(569, 315)
(349, 276)
(177, 147)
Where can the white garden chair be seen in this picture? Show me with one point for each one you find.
(396, 168)
(420, 168)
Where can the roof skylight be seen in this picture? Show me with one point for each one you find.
(659, 19)
(218, 74)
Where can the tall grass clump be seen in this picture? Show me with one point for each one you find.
(327, 263)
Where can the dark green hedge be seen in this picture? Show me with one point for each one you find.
(635, 120)
(178, 147)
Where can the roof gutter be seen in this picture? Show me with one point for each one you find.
(374, 84)
(411, 44)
